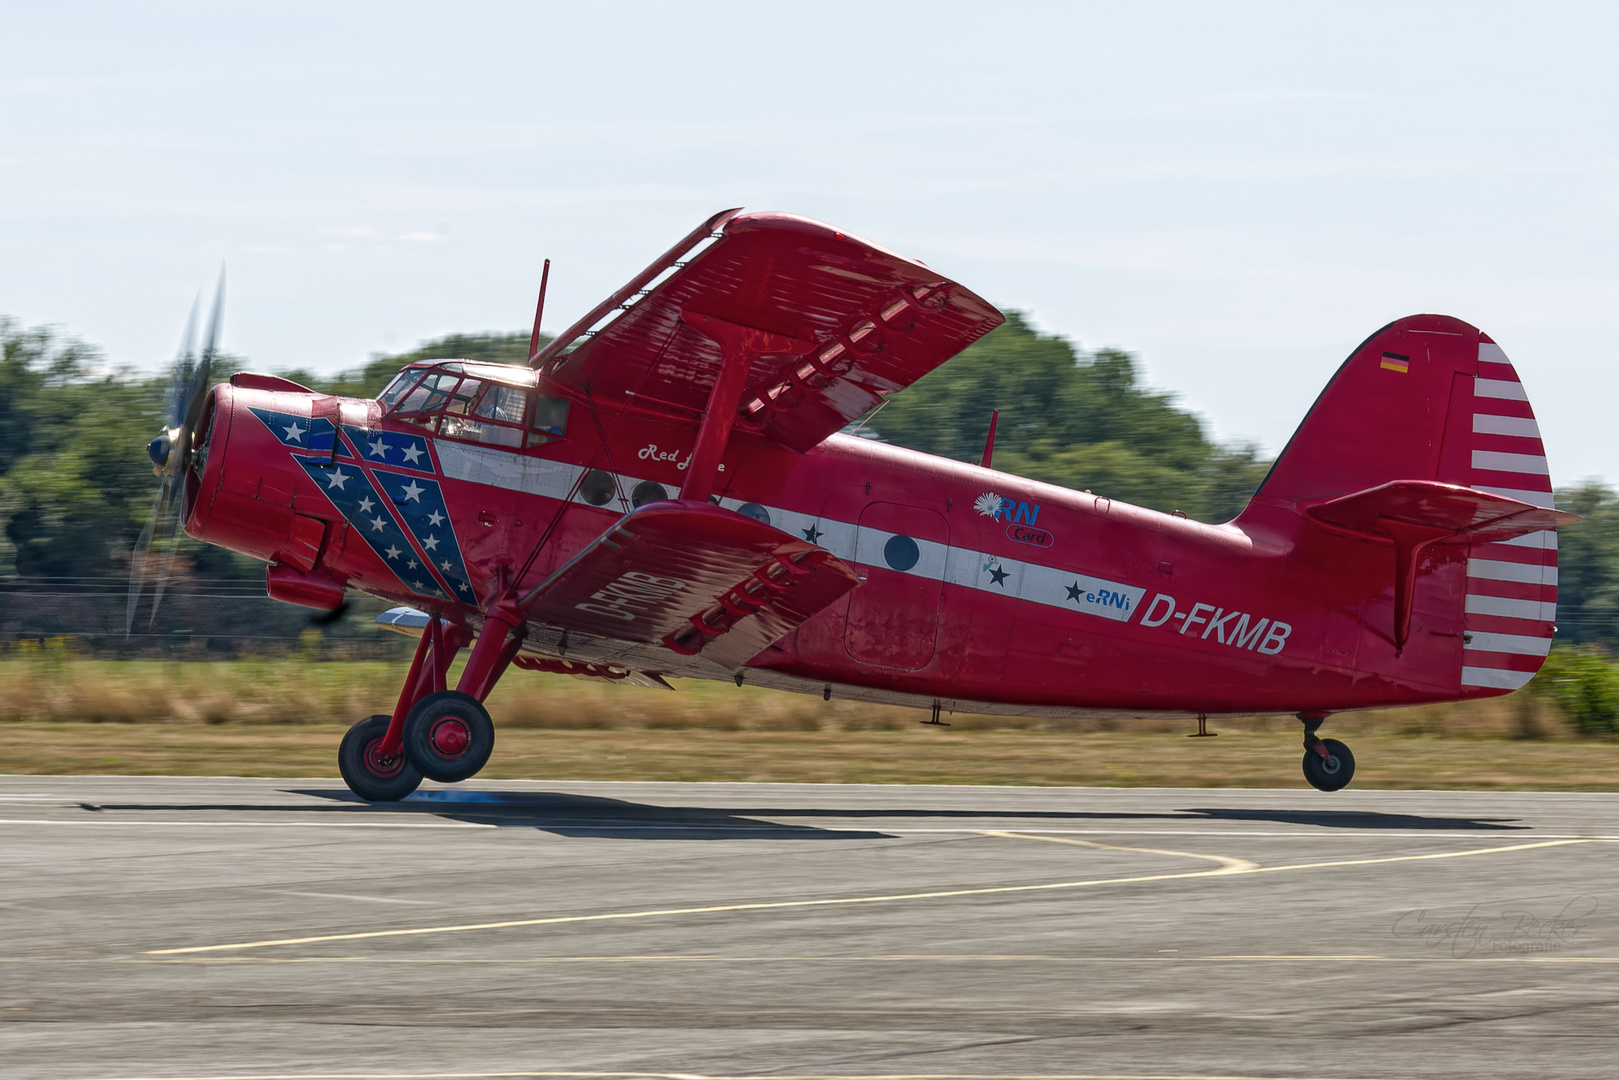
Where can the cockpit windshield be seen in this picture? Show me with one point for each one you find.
(482, 403)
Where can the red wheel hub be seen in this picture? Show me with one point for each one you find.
(451, 737)
(381, 766)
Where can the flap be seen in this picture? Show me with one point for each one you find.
(1462, 513)
(864, 323)
(695, 577)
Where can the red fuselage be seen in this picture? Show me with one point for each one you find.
(981, 591)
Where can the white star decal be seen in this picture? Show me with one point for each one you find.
(413, 564)
(377, 524)
(393, 552)
(411, 492)
(435, 518)
(465, 587)
(378, 448)
(412, 452)
(418, 586)
(366, 504)
(448, 566)
(430, 544)
(294, 432)
(336, 479)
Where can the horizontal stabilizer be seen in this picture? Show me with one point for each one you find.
(1449, 511)
(697, 578)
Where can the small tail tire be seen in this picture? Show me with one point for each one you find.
(1332, 772)
(367, 772)
(449, 736)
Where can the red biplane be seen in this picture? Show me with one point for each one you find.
(665, 492)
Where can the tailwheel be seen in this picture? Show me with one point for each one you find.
(448, 736)
(1328, 765)
(369, 773)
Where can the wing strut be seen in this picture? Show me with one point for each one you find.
(740, 347)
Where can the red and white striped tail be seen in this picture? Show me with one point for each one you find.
(1511, 584)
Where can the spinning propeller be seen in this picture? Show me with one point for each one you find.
(172, 454)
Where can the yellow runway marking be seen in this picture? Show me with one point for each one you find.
(714, 1076)
(781, 905)
(1228, 865)
(964, 958)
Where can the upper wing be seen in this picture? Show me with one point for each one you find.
(866, 322)
(694, 577)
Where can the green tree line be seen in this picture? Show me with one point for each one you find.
(76, 486)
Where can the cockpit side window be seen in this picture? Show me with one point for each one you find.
(504, 403)
(550, 420)
(430, 394)
(481, 408)
(397, 389)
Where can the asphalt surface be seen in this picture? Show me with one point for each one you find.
(159, 927)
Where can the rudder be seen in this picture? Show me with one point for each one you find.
(1433, 398)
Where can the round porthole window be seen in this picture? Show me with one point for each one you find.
(648, 491)
(754, 511)
(597, 488)
(901, 552)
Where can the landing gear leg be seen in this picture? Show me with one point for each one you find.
(372, 757)
(447, 733)
(1328, 764)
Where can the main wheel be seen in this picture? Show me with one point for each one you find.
(367, 773)
(448, 736)
(1333, 771)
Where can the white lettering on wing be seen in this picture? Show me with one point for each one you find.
(627, 597)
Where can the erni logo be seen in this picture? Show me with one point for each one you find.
(1233, 628)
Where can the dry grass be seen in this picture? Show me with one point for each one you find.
(45, 687)
(918, 755)
(284, 718)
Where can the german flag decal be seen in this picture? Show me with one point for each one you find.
(1396, 362)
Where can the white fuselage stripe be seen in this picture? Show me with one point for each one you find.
(995, 574)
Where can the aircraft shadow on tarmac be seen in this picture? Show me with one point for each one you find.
(591, 815)
(568, 814)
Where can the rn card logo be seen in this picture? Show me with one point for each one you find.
(1010, 511)
(1027, 534)
(1020, 518)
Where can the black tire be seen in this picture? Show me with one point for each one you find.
(1332, 773)
(449, 736)
(369, 775)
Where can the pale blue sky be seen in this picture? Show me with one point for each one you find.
(1237, 192)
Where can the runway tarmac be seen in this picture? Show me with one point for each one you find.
(159, 927)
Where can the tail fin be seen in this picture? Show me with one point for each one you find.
(1431, 398)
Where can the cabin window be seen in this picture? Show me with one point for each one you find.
(550, 420)
(476, 408)
(504, 403)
